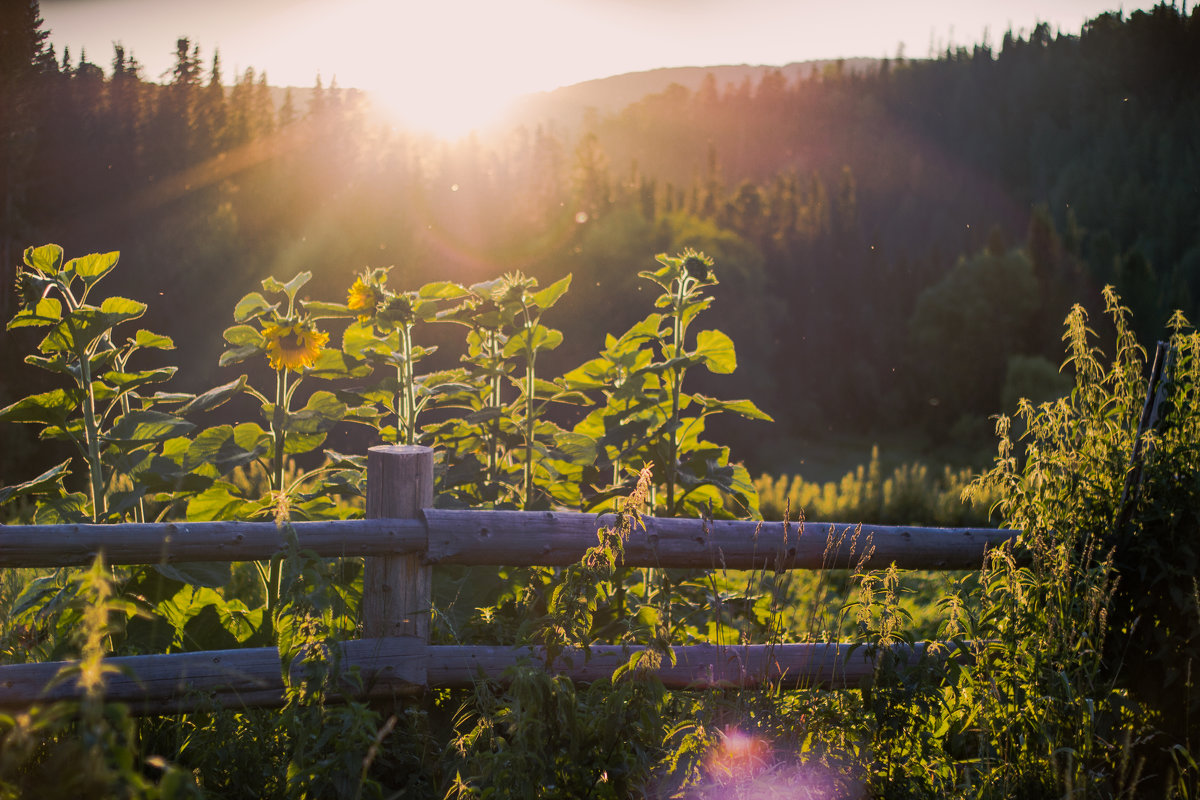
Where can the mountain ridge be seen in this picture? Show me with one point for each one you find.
(567, 106)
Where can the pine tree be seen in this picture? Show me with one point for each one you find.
(211, 112)
(22, 48)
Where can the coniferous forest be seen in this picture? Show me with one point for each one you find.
(962, 259)
(873, 228)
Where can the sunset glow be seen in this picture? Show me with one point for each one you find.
(436, 68)
(449, 68)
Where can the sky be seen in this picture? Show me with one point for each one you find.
(447, 65)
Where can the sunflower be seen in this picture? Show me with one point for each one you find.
(364, 297)
(31, 288)
(293, 345)
(697, 265)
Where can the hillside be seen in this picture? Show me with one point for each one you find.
(568, 105)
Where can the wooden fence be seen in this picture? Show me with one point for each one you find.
(403, 538)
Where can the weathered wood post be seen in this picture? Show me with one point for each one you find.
(397, 589)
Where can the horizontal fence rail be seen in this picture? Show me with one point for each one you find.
(403, 538)
(176, 542)
(404, 665)
(511, 539)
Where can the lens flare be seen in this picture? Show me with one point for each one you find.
(740, 756)
(745, 765)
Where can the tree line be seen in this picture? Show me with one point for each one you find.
(897, 248)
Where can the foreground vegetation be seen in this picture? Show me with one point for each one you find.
(1073, 652)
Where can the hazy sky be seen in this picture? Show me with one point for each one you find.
(465, 58)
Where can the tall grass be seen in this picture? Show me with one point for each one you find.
(912, 494)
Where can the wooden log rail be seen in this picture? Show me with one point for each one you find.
(403, 665)
(509, 538)
(404, 537)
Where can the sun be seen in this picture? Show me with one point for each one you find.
(446, 69)
(449, 108)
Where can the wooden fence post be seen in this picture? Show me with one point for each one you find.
(397, 589)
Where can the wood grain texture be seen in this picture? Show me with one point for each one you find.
(555, 538)
(790, 666)
(507, 538)
(176, 542)
(177, 682)
(398, 589)
(388, 668)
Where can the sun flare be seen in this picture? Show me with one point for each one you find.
(431, 68)
(447, 108)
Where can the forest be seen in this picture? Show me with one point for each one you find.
(883, 225)
(220, 293)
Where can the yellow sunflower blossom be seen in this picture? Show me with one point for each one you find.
(363, 297)
(293, 345)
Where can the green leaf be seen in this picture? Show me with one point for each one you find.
(321, 310)
(217, 503)
(206, 631)
(250, 436)
(213, 397)
(297, 443)
(442, 290)
(290, 288)
(74, 507)
(550, 295)
(125, 381)
(543, 388)
(321, 413)
(361, 341)
(247, 341)
(745, 408)
(49, 408)
(219, 447)
(46, 259)
(85, 324)
(595, 374)
(333, 364)
(153, 341)
(35, 596)
(122, 307)
(716, 348)
(47, 479)
(575, 448)
(58, 363)
(648, 330)
(147, 426)
(47, 312)
(238, 354)
(532, 340)
(93, 267)
(251, 307)
(243, 335)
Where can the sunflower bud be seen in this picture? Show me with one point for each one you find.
(31, 288)
(697, 266)
(397, 308)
